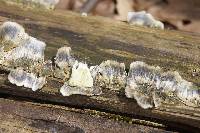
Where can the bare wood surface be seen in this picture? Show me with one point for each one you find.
(28, 117)
(92, 37)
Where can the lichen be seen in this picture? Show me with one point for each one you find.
(144, 19)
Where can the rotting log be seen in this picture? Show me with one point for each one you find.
(28, 117)
(95, 39)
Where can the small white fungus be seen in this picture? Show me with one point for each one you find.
(64, 58)
(13, 32)
(152, 87)
(143, 19)
(20, 77)
(81, 76)
(110, 74)
(84, 14)
(67, 90)
(20, 47)
(32, 49)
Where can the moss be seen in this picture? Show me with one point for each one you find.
(123, 118)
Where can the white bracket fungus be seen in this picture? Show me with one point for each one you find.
(32, 50)
(18, 47)
(149, 85)
(80, 82)
(64, 58)
(13, 33)
(64, 61)
(152, 87)
(20, 50)
(81, 76)
(67, 90)
(144, 19)
(110, 74)
(28, 80)
(84, 14)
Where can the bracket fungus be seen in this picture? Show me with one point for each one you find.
(64, 62)
(18, 48)
(64, 58)
(20, 53)
(110, 74)
(32, 51)
(67, 90)
(11, 32)
(80, 82)
(23, 56)
(81, 76)
(152, 87)
(29, 80)
(143, 19)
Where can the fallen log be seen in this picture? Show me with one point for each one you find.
(92, 37)
(20, 116)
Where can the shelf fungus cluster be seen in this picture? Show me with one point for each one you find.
(23, 56)
(143, 19)
(110, 74)
(151, 87)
